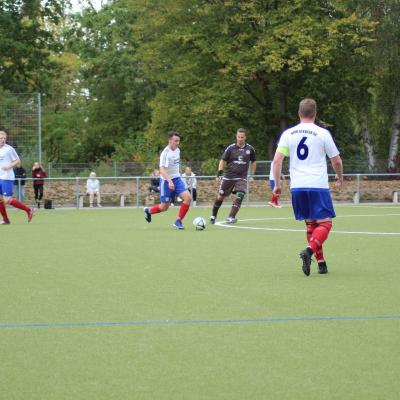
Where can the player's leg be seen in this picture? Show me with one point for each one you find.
(239, 191)
(225, 189)
(7, 188)
(317, 206)
(182, 192)
(165, 198)
(3, 210)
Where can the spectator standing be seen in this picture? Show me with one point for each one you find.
(191, 183)
(93, 189)
(38, 175)
(19, 183)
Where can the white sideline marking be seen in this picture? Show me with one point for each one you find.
(225, 225)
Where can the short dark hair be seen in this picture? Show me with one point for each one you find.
(308, 108)
(174, 133)
(241, 130)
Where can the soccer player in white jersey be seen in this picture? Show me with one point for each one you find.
(171, 183)
(8, 160)
(308, 145)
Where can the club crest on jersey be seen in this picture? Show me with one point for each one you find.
(247, 151)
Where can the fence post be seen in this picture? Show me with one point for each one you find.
(137, 192)
(357, 192)
(77, 192)
(247, 190)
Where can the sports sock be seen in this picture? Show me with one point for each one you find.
(274, 199)
(310, 226)
(155, 209)
(319, 235)
(183, 209)
(17, 204)
(319, 255)
(237, 202)
(3, 212)
(216, 206)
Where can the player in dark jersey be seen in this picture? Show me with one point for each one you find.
(236, 158)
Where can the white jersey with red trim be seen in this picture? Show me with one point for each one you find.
(170, 160)
(7, 156)
(307, 145)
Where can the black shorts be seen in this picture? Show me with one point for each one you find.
(229, 186)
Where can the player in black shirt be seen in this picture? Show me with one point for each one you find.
(236, 158)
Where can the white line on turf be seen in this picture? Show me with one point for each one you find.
(225, 225)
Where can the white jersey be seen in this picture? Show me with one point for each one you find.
(170, 160)
(307, 145)
(7, 156)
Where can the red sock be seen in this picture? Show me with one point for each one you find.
(319, 255)
(319, 235)
(310, 226)
(17, 204)
(155, 209)
(274, 199)
(3, 212)
(183, 209)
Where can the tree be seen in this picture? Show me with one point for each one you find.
(116, 89)
(224, 64)
(26, 43)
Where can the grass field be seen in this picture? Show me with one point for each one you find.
(98, 304)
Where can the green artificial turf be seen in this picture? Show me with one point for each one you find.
(99, 304)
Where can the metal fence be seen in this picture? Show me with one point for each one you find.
(133, 191)
(128, 169)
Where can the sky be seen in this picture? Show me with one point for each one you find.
(77, 5)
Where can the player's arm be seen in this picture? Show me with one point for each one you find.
(337, 166)
(164, 174)
(11, 165)
(221, 167)
(277, 170)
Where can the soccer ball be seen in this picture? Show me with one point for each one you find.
(199, 223)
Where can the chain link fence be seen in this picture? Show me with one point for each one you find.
(134, 191)
(20, 116)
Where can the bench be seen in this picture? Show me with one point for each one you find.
(81, 196)
(395, 197)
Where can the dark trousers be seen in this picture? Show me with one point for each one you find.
(38, 192)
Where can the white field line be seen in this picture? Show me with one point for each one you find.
(224, 225)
